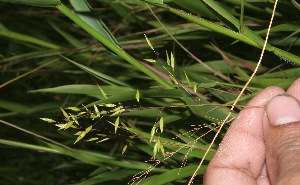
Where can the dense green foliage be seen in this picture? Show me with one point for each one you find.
(131, 91)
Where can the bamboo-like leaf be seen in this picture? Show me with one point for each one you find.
(117, 112)
(78, 133)
(74, 118)
(137, 96)
(153, 130)
(155, 148)
(172, 61)
(105, 139)
(65, 114)
(117, 122)
(82, 134)
(69, 124)
(48, 120)
(96, 109)
(124, 149)
(61, 126)
(108, 105)
(168, 59)
(74, 109)
(149, 43)
(93, 139)
(195, 87)
(80, 114)
(150, 60)
(161, 124)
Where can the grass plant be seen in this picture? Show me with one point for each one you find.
(132, 91)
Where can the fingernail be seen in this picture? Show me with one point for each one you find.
(283, 109)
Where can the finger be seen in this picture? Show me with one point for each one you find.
(294, 89)
(241, 155)
(263, 178)
(282, 138)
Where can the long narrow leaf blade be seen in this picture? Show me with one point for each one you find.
(41, 3)
(84, 12)
(120, 52)
(97, 74)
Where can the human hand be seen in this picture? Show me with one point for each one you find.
(262, 145)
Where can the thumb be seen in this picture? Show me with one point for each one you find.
(282, 140)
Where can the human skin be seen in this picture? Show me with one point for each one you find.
(262, 145)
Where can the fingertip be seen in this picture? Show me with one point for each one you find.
(242, 151)
(294, 89)
(265, 95)
(283, 109)
(282, 141)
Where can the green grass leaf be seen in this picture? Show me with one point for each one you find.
(97, 74)
(27, 39)
(72, 40)
(84, 12)
(172, 175)
(108, 43)
(41, 3)
(84, 89)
